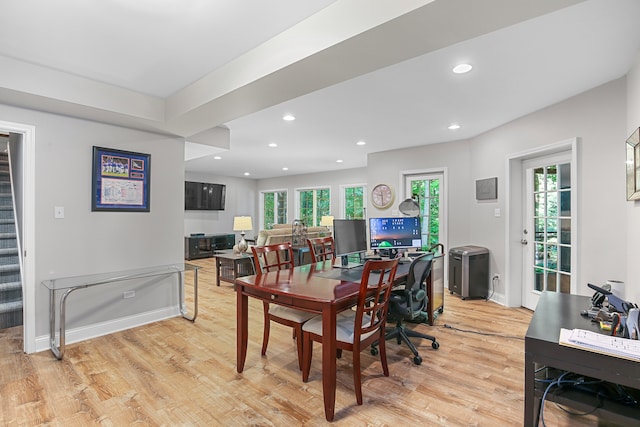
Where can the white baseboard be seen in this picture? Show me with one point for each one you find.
(106, 328)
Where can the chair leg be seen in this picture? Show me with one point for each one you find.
(267, 324)
(357, 375)
(402, 335)
(307, 352)
(411, 333)
(298, 334)
(383, 357)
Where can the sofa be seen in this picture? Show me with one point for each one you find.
(283, 233)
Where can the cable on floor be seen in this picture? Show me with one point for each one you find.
(490, 334)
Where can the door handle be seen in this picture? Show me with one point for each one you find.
(524, 241)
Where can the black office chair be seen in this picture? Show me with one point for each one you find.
(409, 304)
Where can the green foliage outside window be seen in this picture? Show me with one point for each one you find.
(314, 204)
(354, 202)
(275, 209)
(428, 192)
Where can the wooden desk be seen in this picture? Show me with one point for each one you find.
(303, 288)
(555, 311)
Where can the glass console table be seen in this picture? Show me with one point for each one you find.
(66, 285)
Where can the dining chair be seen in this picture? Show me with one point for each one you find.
(279, 256)
(321, 249)
(356, 329)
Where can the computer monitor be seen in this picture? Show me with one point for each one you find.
(350, 237)
(395, 233)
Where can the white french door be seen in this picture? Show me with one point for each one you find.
(549, 231)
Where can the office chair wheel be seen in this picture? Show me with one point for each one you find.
(435, 345)
(374, 351)
(417, 360)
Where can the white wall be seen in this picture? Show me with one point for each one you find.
(597, 118)
(631, 250)
(86, 242)
(241, 198)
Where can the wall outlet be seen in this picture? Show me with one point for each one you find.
(129, 294)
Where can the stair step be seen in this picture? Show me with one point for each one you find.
(10, 286)
(7, 307)
(9, 268)
(8, 251)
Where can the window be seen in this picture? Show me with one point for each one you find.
(353, 201)
(313, 204)
(274, 208)
(427, 190)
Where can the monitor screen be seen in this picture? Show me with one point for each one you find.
(350, 236)
(395, 233)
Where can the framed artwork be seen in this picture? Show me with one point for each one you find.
(121, 181)
(633, 166)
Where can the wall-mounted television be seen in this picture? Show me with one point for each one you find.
(204, 196)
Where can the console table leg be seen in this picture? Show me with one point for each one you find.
(58, 351)
(183, 309)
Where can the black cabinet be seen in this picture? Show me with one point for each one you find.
(203, 246)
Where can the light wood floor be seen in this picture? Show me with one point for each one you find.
(178, 373)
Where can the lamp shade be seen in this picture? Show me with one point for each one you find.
(242, 223)
(326, 221)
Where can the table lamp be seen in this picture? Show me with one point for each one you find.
(327, 221)
(242, 224)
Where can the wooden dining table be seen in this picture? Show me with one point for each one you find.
(318, 288)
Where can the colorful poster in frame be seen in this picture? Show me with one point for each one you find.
(121, 181)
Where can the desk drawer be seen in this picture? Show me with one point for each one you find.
(269, 297)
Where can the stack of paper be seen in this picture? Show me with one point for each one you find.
(605, 344)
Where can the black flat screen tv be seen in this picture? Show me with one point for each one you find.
(204, 196)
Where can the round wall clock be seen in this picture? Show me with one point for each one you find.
(382, 196)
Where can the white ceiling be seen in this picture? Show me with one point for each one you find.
(349, 70)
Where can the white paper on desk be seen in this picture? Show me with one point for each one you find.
(600, 343)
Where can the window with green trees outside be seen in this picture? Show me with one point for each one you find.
(314, 204)
(274, 208)
(354, 202)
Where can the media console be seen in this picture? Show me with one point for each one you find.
(204, 245)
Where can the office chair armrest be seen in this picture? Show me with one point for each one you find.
(420, 295)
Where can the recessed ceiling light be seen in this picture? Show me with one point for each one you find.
(288, 117)
(273, 144)
(247, 174)
(217, 157)
(360, 143)
(453, 126)
(285, 168)
(462, 68)
(339, 161)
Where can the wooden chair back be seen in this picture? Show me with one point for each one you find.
(278, 256)
(371, 311)
(321, 249)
